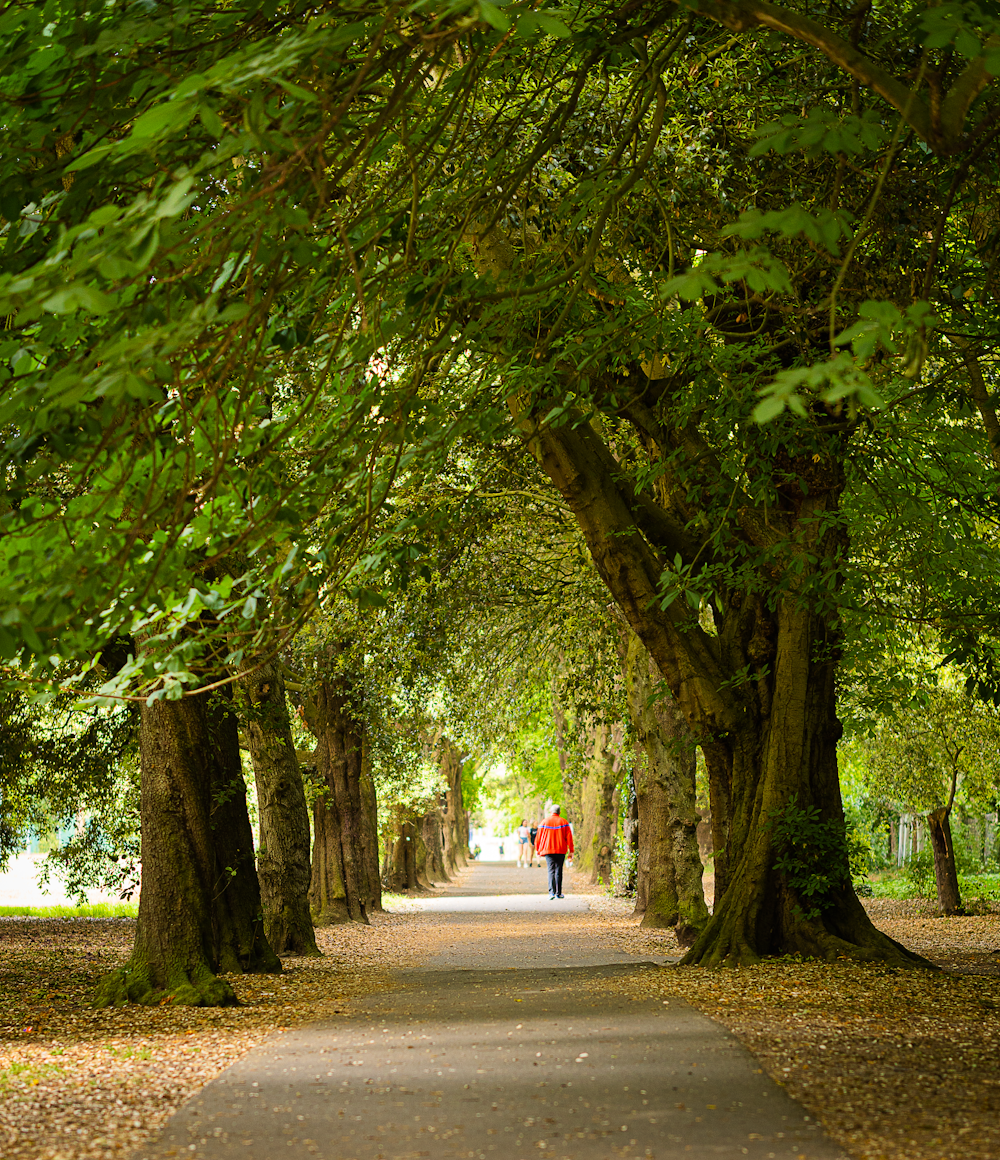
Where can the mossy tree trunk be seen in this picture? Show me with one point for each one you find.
(669, 888)
(345, 885)
(628, 856)
(456, 822)
(283, 863)
(200, 906)
(756, 686)
(599, 829)
(432, 832)
(369, 830)
(408, 862)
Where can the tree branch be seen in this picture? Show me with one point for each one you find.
(742, 15)
(970, 83)
(589, 479)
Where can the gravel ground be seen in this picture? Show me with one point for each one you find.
(896, 1064)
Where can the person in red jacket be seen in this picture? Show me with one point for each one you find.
(555, 841)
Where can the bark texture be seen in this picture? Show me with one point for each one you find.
(629, 857)
(408, 861)
(432, 832)
(369, 829)
(200, 906)
(599, 801)
(345, 885)
(945, 869)
(669, 886)
(456, 821)
(283, 863)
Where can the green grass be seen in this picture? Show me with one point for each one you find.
(393, 899)
(979, 885)
(97, 910)
(896, 884)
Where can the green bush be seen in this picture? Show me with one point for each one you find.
(812, 853)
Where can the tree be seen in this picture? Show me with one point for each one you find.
(664, 432)
(345, 871)
(568, 204)
(595, 836)
(940, 747)
(669, 887)
(283, 864)
(200, 905)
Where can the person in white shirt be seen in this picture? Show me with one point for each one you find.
(523, 844)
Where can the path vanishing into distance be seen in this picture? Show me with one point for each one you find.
(520, 1044)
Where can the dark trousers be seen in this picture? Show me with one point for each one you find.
(555, 862)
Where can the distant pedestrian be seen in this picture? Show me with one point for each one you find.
(555, 841)
(523, 843)
(533, 834)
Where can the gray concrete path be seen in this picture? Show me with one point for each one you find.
(522, 1061)
(525, 929)
(496, 888)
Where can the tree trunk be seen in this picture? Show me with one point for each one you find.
(369, 818)
(945, 870)
(344, 835)
(456, 822)
(670, 871)
(432, 832)
(200, 905)
(756, 687)
(407, 860)
(600, 801)
(783, 758)
(630, 842)
(283, 856)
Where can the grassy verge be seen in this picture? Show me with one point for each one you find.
(96, 910)
(900, 884)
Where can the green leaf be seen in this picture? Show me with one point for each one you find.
(298, 92)
(967, 45)
(768, 409)
(105, 215)
(553, 26)
(8, 645)
(164, 118)
(31, 637)
(93, 157)
(491, 14)
(211, 120)
(691, 286)
(77, 296)
(177, 199)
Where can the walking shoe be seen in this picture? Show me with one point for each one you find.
(551, 897)
(560, 896)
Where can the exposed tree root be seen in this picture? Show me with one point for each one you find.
(736, 936)
(136, 983)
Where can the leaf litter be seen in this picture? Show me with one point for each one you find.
(894, 1063)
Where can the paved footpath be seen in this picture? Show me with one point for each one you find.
(498, 1055)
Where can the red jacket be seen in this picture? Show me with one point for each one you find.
(555, 836)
